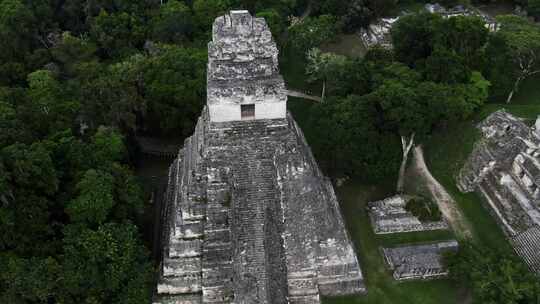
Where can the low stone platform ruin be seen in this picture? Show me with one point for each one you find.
(390, 216)
(249, 216)
(504, 168)
(418, 261)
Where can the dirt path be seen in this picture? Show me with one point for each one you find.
(446, 203)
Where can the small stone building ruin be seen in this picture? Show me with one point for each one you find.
(504, 168)
(378, 33)
(249, 216)
(418, 261)
(390, 216)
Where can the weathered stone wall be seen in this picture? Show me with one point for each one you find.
(243, 69)
(418, 261)
(390, 216)
(251, 219)
(504, 168)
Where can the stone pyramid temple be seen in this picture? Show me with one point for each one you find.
(249, 216)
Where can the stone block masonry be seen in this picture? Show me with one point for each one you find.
(418, 261)
(504, 168)
(390, 216)
(250, 218)
(243, 70)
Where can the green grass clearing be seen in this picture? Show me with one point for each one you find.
(529, 92)
(381, 286)
(347, 45)
(446, 152)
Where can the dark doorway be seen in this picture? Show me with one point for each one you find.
(247, 111)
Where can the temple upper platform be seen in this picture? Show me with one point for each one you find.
(243, 75)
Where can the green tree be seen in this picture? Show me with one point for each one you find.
(175, 88)
(206, 11)
(382, 7)
(107, 265)
(324, 66)
(413, 36)
(107, 147)
(408, 106)
(358, 15)
(275, 21)
(50, 108)
(128, 194)
(522, 42)
(17, 28)
(349, 140)
(11, 127)
(117, 34)
(533, 7)
(31, 280)
(112, 95)
(31, 167)
(466, 36)
(28, 182)
(70, 52)
(445, 65)
(95, 200)
(494, 277)
(174, 23)
(312, 32)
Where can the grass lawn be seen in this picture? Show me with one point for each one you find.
(445, 154)
(529, 92)
(346, 44)
(447, 151)
(381, 286)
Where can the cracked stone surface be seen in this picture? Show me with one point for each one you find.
(249, 216)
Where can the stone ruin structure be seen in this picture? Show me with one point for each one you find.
(390, 216)
(249, 216)
(504, 168)
(461, 10)
(418, 261)
(378, 33)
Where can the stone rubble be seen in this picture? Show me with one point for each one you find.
(504, 168)
(249, 216)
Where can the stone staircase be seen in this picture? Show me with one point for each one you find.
(252, 191)
(303, 287)
(525, 240)
(249, 148)
(217, 247)
(181, 268)
(228, 240)
(527, 245)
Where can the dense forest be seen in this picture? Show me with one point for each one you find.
(80, 79)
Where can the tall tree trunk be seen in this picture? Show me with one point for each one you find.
(514, 89)
(406, 148)
(323, 90)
